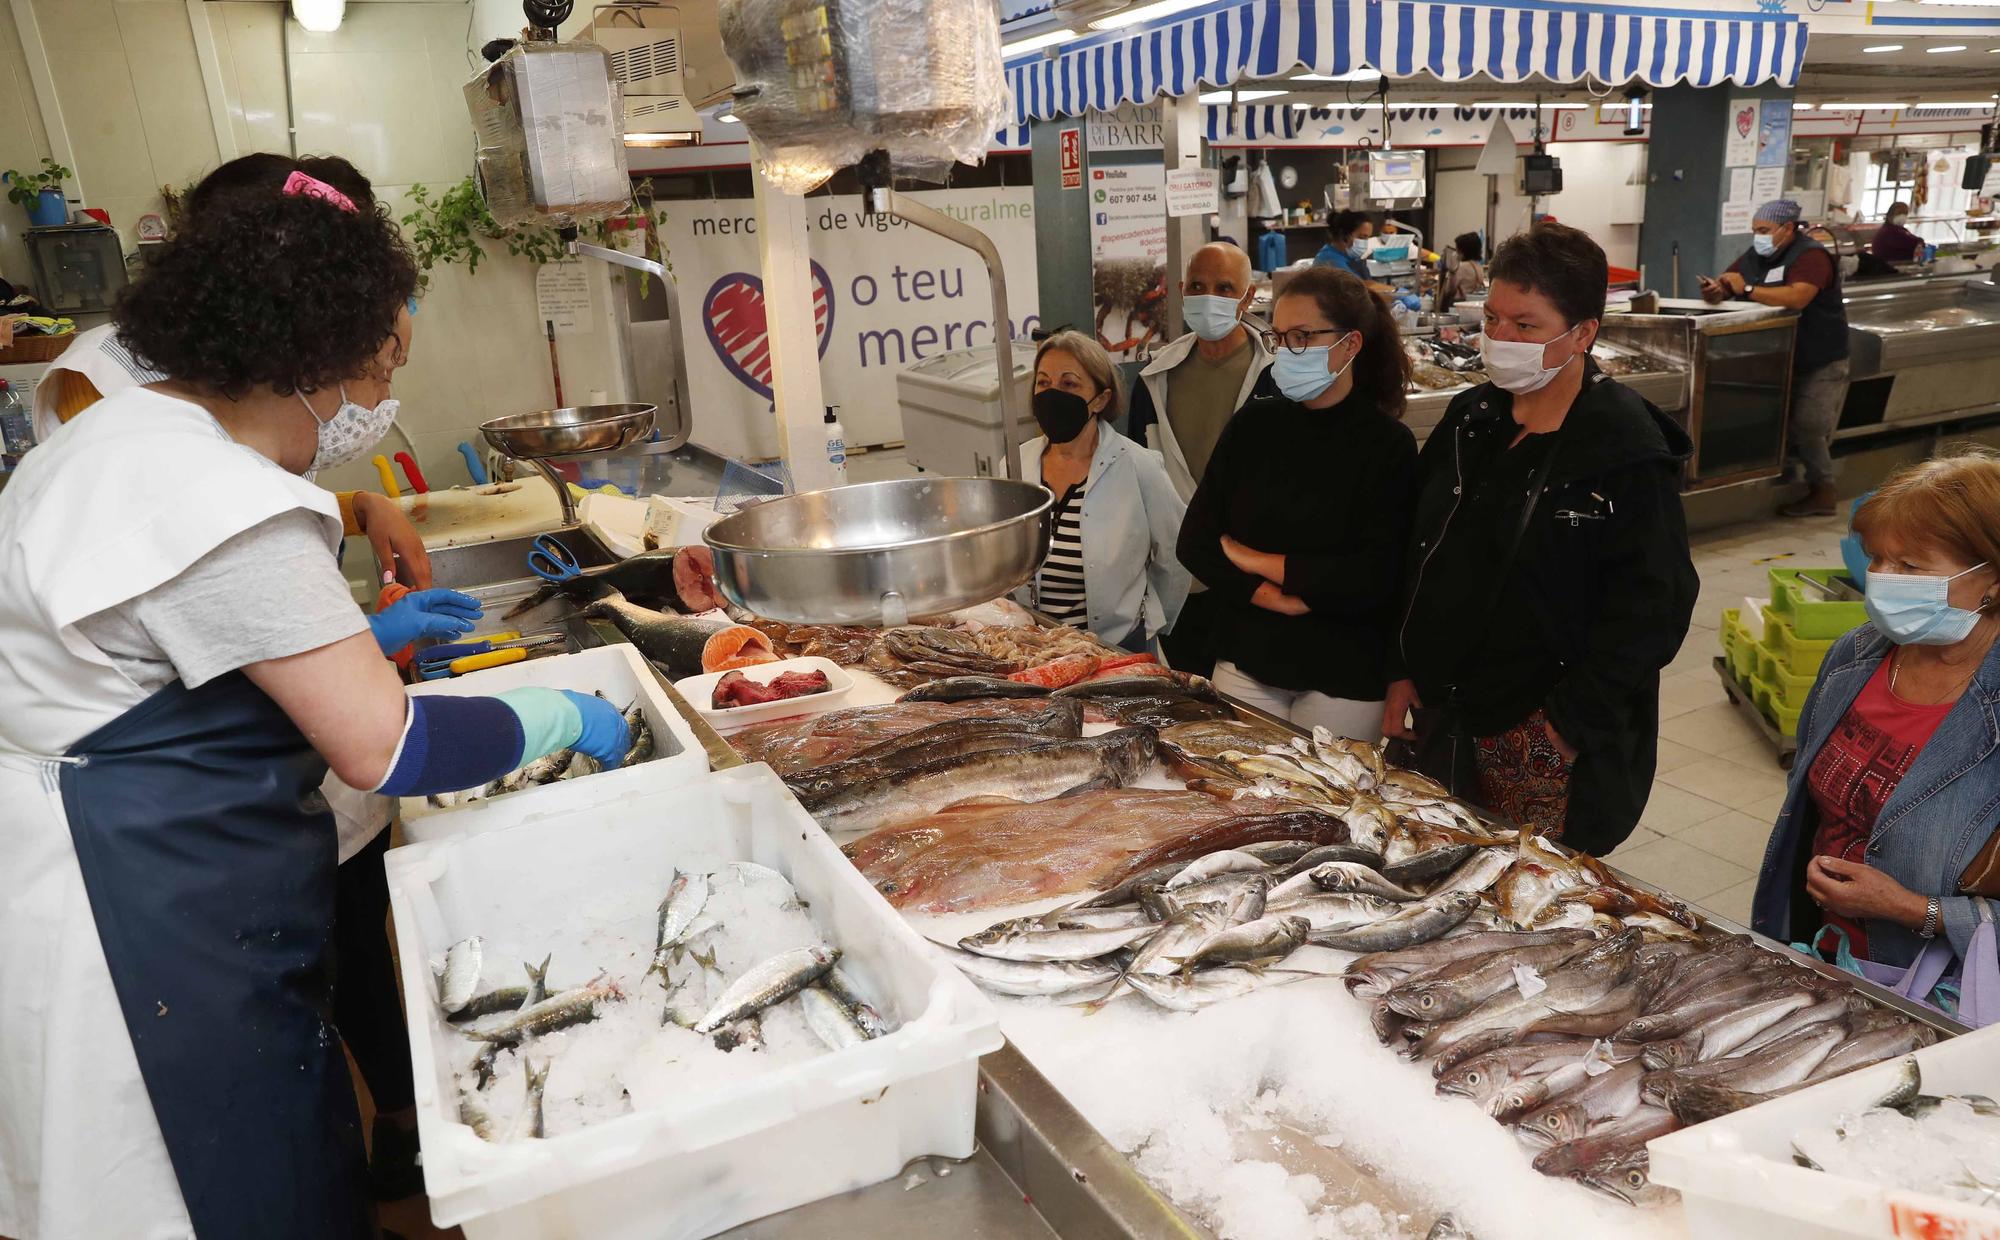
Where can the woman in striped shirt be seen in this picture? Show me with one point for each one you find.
(1111, 566)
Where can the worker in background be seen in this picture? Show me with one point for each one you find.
(1784, 267)
(1346, 248)
(169, 705)
(1201, 380)
(367, 1003)
(1467, 278)
(1855, 263)
(1893, 243)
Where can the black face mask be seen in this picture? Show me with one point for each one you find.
(1061, 415)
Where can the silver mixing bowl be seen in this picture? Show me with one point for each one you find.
(569, 431)
(877, 553)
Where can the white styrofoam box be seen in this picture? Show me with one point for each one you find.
(1738, 1181)
(700, 691)
(622, 675)
(718, 1158)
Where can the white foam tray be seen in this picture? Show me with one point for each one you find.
(725, 1156)
(700, 691)
(1738, 1181)
(622, 675)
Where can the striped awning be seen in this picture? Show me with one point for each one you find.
(1504, 40)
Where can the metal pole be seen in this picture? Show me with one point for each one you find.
(887, 201)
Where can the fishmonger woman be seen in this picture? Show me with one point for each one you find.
(1888, 826)
(180, 663)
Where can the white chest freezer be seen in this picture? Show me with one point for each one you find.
(951, 411)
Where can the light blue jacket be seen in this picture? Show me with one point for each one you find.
(1941, 814)
(1130, 521)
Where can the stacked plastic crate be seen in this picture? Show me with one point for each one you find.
(1777, 671)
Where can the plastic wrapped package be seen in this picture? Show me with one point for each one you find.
(820, 83)
(549, 121)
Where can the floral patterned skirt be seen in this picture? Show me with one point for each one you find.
(1524, 776)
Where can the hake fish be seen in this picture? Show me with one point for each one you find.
(776, 979)
(1111, 760)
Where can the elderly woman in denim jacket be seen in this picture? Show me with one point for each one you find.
(1897, 783)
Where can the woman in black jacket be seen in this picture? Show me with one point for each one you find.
(1299, 523)
(1543, 624)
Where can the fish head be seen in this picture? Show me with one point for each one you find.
(1481, 1080)
(1518, 1098)
(1628, 1177)
(1422, 1000)
(1552, 1125)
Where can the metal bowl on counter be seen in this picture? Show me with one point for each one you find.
(569, 431)
(878, 553)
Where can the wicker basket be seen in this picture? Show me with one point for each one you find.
(35, 349)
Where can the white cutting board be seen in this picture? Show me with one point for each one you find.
(470, 514)
(619, 521)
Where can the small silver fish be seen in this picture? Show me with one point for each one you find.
(1215, 865)
(1079, 944)
(776, 979)
(458, 981)
(641, 749)
(571, 1007)
(546, 769)
(830, 1020)
(842, 987)
(1029, 978)
(531, 1116)
(1268, 938)
(686, 896)
(474, 1116)
(538, 982)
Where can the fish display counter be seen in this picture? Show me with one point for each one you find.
(1921, 352)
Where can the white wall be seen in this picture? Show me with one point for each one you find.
(23, 143)
(1605, 196)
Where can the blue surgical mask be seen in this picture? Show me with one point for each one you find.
(1303, 376)
(1766, 244)
(1357, 249)
(1913, 611)
(1209, 316)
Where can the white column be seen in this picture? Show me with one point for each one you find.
(793, 335)
(1180, 118)
(42, 77)
(210, 59)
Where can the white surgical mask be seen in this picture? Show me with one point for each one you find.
(1516, 365)
(1897, 218)
(1766, 244)
(351, 431)
(1209, 316)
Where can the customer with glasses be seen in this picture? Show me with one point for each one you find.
(1299, 524)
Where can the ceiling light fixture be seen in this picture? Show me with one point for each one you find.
(319, 16)
(1241, 96)
(1949, 47)
(1883, 47)
(1036, 43)
(1353, 75)
(1144, 12)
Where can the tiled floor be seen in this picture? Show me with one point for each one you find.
(1718, 786)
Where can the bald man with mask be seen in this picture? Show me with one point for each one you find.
(1200, 380)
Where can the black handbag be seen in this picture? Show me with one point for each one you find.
(1443, 746)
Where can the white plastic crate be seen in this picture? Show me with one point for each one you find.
(622, 675)
(719, 1158)
(1738, 1181)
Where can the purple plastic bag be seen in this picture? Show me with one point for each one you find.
(1978, 979)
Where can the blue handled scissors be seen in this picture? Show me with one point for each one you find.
(553, 562)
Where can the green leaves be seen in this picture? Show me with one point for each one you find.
(451, 227)
(24, 187)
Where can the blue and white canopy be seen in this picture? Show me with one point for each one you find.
(1501, 40)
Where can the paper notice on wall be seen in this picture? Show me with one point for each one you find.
(1739, 146)
(1741, 183)
(1736, 218)
(1192, 191)
(1128, 256)
(1769, 185)
(563, 296)
(1774, 134)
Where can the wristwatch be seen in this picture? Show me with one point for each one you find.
(1933, 917)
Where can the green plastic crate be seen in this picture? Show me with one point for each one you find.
(1738, 647)
(1769, 700)
(1796, 655)
(1812, 615)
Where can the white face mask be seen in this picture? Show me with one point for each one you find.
(351, 431)
(1516, 365)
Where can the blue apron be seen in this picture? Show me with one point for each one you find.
(209, 856)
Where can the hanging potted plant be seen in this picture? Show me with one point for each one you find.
(40, 192)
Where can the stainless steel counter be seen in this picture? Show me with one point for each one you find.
(1921, 352)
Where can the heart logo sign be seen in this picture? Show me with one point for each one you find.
(733, 316)
(1745, 119)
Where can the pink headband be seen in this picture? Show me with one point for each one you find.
(301, 185)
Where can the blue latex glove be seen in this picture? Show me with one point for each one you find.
(424, 613)
(605, 736)
(1411, 301)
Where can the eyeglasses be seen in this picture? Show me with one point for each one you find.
(1298, 339)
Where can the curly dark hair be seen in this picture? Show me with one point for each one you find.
(1382, 369)
(288, 292)
(265, 172)
(1344, 224)
(1563, 264)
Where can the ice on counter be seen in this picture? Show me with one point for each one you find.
(630, 1057)
(1951, 1150)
